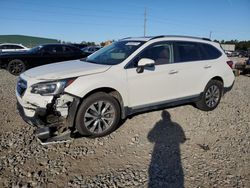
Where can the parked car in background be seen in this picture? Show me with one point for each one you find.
(228, 53)
(10, 47)
(127, 77)
(248, 61)
(239, 53)
(79, 45)
(17, 63)
(243, 68)
(90, 50)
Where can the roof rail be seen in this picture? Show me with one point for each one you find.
(206, 39)
(125, 38)
(161, 36)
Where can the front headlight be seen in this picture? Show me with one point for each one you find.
(51, 88)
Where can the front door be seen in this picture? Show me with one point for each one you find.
(157, 83)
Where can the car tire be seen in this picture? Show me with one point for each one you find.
(98, 115)
(16, 67)
(211, 96)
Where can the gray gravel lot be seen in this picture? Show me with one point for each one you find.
(177, 147)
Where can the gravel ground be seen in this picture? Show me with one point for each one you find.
(176, 147)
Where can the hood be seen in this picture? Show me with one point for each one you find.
(66, 69)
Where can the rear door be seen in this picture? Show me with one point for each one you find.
(194, 62)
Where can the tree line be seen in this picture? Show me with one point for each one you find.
(239, 45)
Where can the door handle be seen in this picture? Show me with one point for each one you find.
(173, 72)
(207, 66)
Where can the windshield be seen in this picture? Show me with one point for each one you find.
(114, 53)
(35, 49)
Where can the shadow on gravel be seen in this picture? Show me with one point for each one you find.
(165, 169)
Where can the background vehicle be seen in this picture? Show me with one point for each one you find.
(80, 46)
(239, 53)
(228, 53)
(17, 63)
(90, 49)
(129, 76)
(243, 68)
(9, 47)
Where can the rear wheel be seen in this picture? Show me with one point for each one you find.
(98, 115)
(211, 96)
(16, 67)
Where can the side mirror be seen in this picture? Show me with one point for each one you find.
(144, 62)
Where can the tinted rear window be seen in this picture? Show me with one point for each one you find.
(186, 51)
(194, 51)
(210, 52)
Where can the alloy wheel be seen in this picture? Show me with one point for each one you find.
(16, 67)
(99, 116)
(212, 96)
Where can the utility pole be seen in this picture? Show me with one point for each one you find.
(145, 21)
(210, 34)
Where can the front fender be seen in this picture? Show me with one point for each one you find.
(85, 84)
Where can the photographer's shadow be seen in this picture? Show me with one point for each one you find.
(165, 169)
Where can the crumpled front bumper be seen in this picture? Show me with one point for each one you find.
(36, 119)
(53, 121)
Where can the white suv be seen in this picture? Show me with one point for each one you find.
(9, 47)
(129, 76)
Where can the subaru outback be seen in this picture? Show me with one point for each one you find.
(130, 76)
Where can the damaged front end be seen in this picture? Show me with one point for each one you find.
(52, 114)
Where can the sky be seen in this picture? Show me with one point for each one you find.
(102, 20)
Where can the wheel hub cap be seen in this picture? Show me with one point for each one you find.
(212, 96)
(99, 116)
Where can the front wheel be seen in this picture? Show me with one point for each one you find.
(98, 115)
(211, 96)
(16, 67)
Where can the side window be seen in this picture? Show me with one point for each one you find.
(58, 49)
(46, 50)
(67, 49)
(9, 47)
(210, 51)
(13, 47)
(51, 50)
(76, 50)
(43, 50)
(159, 52)
(86, 49)
(186, 51)
(17, 47)
(5, 46)
(54, 49)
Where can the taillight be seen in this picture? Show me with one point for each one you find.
(230, 64)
